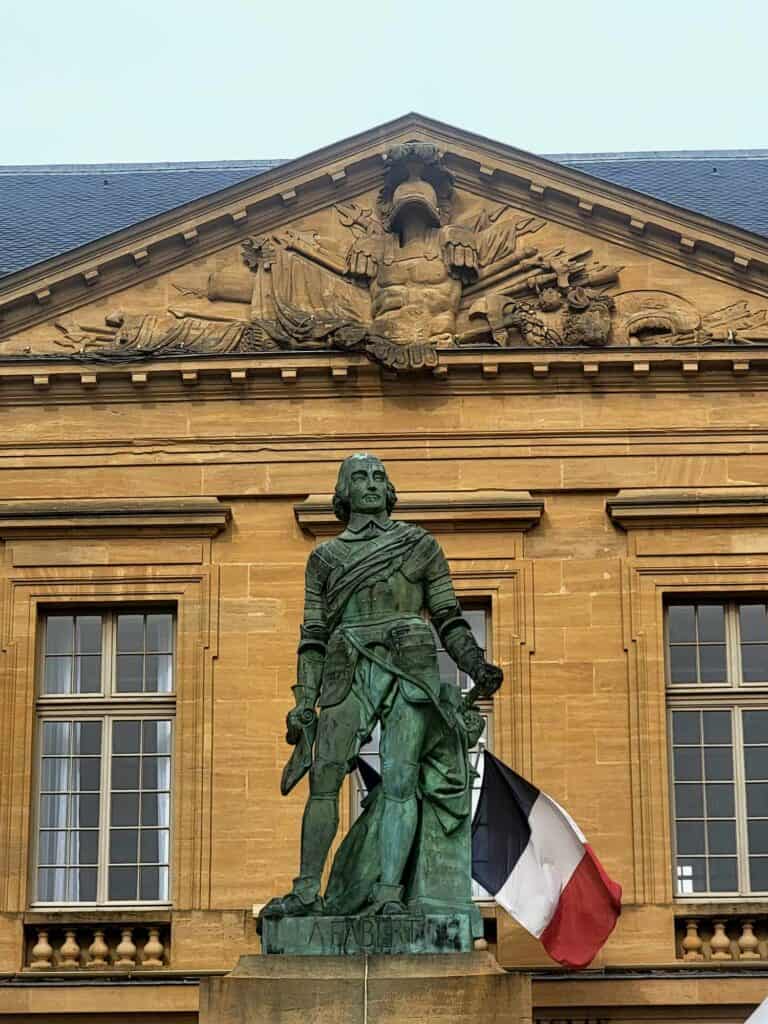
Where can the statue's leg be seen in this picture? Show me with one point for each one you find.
(404, 729)
(337, 739)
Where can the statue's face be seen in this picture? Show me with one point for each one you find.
(367, 486)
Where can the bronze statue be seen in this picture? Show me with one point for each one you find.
(367, 654)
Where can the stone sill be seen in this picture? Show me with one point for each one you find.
(60, 917)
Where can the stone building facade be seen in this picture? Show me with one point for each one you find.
(567, 381)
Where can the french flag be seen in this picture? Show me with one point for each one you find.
(533, 858)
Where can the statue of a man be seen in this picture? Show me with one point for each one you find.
(367, 654)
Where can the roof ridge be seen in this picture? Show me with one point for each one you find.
(662, 154)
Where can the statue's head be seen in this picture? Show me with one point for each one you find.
(362, 486)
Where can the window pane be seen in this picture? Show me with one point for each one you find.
(682, 624)
(686, 727)
(687, 764)
(88, 634)
(58, 675)
(55, 774)
(753, 623)
(155, 808)
(721, 837)
(758, 874)
(52, 848)
(154, 883)
(156, 773)
(59, 634)
(711, 624)
(159, 673)
(56, 737)
(755, 726)
(723, 874)
(82, 885)
(757, 799)
(85, 810)
(87, 737)
(682, 664)
(125, 773)
(758, 836)
(156, 737)
(125, 737)
(720, 802)
(756, 763)
(717, 727)
(53, 811)
(718, 763)
(690, 837)
(130, 633)
(712, 663)
(154, 846)
(159, 633)
(51, 885)
(86, 773)
(754, 663)
(88, 673)
(124, 809)
(689, 801)
(123, 883)
(129, 673)
(84, 847)
(124, 845)
(691, 875)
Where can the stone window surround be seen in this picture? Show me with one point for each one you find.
(56, 554)
(703, 542)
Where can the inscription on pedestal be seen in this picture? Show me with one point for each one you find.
(334, 936)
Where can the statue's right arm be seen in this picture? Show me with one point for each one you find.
(313, 638)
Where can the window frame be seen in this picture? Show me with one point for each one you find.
(107, 706)
(733, 695)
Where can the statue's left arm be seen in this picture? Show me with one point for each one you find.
(452, 628)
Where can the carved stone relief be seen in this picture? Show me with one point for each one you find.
(411, 276)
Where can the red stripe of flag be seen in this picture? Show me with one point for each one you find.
(586, 914)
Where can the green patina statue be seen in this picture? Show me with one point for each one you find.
(368, 655)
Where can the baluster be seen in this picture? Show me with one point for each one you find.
(720, 944)
(748, 942)
(126, 950)
(69, 954)
(98, 951)
(153, 950)
(692, 943)
(42, 951)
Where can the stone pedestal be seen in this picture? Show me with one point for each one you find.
(452, 988)
(346, 936)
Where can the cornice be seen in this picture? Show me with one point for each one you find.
(331, 374)
(85, 516)
(664, 508)
(348, 168)
(438, 510)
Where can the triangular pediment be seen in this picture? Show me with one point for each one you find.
(483, 245)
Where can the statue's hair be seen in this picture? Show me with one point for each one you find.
(341, 505)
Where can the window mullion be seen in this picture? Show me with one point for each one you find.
(104, 810)
(740, 802)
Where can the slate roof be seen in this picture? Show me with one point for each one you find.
(48, 210)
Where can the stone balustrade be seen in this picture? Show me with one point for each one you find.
(722, 937)
(94, 947)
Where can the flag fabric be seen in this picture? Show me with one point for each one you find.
(759, 1015)
(534, 860)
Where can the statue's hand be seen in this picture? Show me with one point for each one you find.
(488, 679)
(296, 721)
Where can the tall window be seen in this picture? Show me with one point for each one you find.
(478, 621)
(105, 716)
(717, 674)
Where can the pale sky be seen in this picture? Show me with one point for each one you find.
(91, 81)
